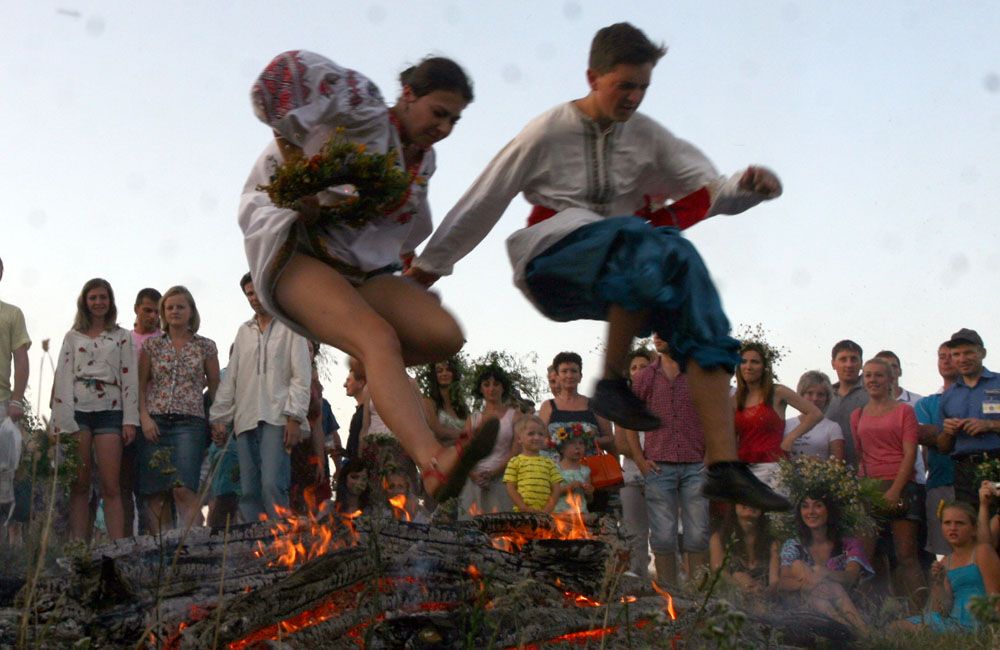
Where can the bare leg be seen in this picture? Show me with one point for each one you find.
(188, 507)
(322, 301)
(710, 394)
(79, 492)
(157, 513)
(622, 328)
(109, 456)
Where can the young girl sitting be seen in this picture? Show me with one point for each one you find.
(532, 480)
(971, 570)
(352, 488)
(575, 476)
(753, 560)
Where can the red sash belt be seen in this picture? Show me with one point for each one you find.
(681, 214)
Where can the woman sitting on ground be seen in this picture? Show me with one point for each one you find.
(971, 570)
(753, 553)
(825, 440)
(819, 565)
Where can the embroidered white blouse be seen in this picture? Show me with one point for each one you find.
(357, 108)
(95, 374)
(564, 161)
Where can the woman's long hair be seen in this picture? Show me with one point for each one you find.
(833, 524)
(766, 377)
(82, 321)
(455, 392)
(731, 530)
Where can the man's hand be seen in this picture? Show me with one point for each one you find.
(421, 277)
(952, 426)
(975, 427)
(292, 433)
(760, 180)
(646, 466)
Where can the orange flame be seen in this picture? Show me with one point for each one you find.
(569, 524)
(399, 510)
(667, 597)
(298, 539)
(474, 509)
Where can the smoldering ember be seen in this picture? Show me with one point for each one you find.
(506, 580)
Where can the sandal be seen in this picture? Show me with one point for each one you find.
(469, 453)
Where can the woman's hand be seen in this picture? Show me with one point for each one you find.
(938, 572)
(892, 498)
(646, 466)
(987, 491)
(219, 434)
(128, 434)
(149, 428)
(421, 277)
(786, 445)
(481, 478)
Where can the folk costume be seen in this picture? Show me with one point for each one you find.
(306, 99)
(579, 254)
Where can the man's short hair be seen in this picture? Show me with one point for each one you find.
(244, 281)
(148, 293)
(889, 354)
(847, 345)
(567, 357)
(622, 43)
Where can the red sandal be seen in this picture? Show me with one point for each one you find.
(469, 453)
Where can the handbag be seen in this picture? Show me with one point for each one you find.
(605, 471)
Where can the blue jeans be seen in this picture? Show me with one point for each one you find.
(265, 471)
(677, 486)
(183, 438)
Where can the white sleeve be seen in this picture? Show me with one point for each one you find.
(62, 389)
(129, 372)
(479, 209)
(300, 365)
(223, 407)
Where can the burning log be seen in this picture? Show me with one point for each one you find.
(503, 580)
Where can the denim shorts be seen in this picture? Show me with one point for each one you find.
(97, 422)
(175, 460)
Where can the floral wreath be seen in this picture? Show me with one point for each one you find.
(524, 382)
(810, 476)
(380, 185)
(756, 335)
(574, 431)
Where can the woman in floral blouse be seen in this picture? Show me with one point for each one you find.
(95, 397)
(174, 369)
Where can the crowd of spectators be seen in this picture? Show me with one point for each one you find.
(164, 435)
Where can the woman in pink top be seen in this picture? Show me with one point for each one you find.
(760, 404)
(885, 435)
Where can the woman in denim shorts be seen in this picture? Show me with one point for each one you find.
(95, 397)
(174, 370)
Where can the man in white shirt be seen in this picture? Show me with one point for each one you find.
(587, 166)
(265, 394)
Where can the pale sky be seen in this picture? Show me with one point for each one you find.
(128, 134)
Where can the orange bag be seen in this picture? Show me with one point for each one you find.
(605, 471)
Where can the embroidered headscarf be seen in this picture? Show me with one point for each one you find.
(300, 91)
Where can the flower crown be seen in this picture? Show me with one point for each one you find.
(809, 476)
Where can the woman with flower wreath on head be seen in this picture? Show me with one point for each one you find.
(334, 203)
(95, 397)
(444, 399)
(819, 565)
(760, 405)
(485, 490)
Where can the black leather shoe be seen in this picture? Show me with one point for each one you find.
(615, 401)
(734, 482)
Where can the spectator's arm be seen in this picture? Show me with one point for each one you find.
(297, 405)
(224, 405)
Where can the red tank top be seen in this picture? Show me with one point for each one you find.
(760, 430)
